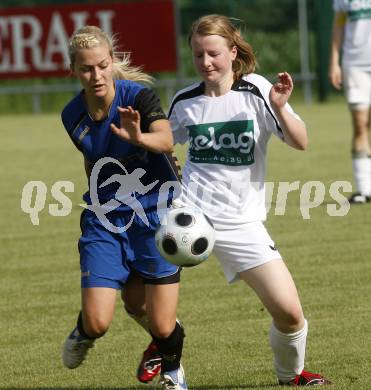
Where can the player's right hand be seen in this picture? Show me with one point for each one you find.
(335, 76)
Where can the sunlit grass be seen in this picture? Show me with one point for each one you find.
(226, 326)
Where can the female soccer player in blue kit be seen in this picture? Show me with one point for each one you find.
(116, 118)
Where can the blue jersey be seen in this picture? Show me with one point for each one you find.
(96, 140)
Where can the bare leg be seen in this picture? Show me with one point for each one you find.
(361, 125)
(162, 301)
(134, 297)
(276, 289)
(98, 306)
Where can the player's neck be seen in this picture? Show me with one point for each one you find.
(219, 87)
(99, 108)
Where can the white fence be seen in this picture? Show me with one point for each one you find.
(167, 86)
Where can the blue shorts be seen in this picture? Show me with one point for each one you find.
(107, 258)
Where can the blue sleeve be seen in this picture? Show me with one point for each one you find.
(149, 106)
(72, 115)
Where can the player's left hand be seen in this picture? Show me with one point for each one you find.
(129, 129)
(281, 90)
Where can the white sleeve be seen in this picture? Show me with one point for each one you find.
(180, 132)
(271, 122)
(339, 5)
(268, 119)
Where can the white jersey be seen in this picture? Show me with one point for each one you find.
(356, 50)
(225, 169)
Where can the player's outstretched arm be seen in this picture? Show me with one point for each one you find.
(158, 140)
(294, 130)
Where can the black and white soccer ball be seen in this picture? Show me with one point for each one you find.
(185, 236)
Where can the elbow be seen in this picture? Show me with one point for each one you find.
(297, 144)
(167, 146)
(302, 145)
(305, 142)
(169, 149)
(301, 140)
(167, 143)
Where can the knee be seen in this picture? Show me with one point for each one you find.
(295, 318)
(95, 327)
(133, 296)
(134, 306)
(162, 330)
(290, 320)
(360, 128)
(135, 310)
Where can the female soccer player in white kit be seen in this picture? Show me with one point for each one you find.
(228, 119)
(350, 67)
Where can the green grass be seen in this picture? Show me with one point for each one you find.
(227, 328)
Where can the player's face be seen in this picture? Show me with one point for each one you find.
(212, 57)
(93, 67)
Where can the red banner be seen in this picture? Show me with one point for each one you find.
(34, 41)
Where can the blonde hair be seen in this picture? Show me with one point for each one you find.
(221, 25)
(92, 36)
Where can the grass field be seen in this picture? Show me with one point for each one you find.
(227, 328)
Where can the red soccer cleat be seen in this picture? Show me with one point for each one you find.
(307, 378)
(150, 365)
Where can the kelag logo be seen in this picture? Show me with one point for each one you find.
(228, 143)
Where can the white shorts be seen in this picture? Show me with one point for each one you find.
(243, 248)
(357, 86)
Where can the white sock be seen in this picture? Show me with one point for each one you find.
(362, 174)
(289, 352)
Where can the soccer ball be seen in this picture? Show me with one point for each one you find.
(185, 236)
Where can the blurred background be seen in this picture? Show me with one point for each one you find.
(289, 35)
